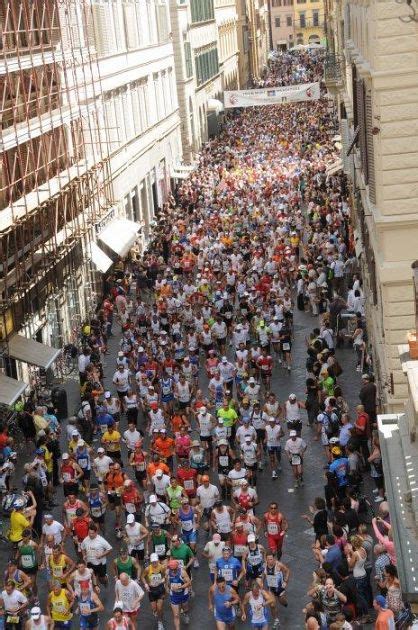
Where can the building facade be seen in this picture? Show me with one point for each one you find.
(90, 133)
(371, 71)
(206, 62)
(296, 23)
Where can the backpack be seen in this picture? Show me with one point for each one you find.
(333, 426)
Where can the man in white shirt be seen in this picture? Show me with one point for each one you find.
(157, 512)
(101, 464)
(84, 359)
(160, 482)
(130, 594)
(295, 449)
(213, 552)
(207, 494)
(121, 381)
(95, 550)
(131, 436)
(53, 528)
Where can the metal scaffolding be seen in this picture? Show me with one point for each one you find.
(55, 180)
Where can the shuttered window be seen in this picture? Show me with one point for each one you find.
(370, 147)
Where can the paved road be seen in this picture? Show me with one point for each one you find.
(297, 548)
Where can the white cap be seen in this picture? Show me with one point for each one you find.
(75, 432)
(224, 360)
(251, 379)
(130, 518)
(248, 438)
(141, 349)
(251, 538)
(221, 420)
(121, 354)
(292, 396)
(80, 443)
(35, 612)
(107, 395)
(159, 472)
(202, 409)
(223, 443)
(100, 449)
(65, 456)
(272, 419)
(293, 433)
(153, 499)
(154, 557)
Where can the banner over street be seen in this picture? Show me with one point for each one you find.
(272, 95)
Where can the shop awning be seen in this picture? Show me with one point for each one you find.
(214, 105)
(10, 390)
(334, 167)
(99, 258)
(120, 235)
(30, 351)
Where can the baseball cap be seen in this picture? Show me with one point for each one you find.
(74, 433)
(130, 518)
(381, 601)
(195, 443)
(224, 360)
(65, 456)
(202, 409)
(140, 349)
(248, 438)
(153, 499)
(223, 443)
(154, 557)
(293, 433)
(251, 379)
(100, 449)
(35, 612)
(336, 450)
(292, 396)
(107, 395)
(159, 472)
(251, 538)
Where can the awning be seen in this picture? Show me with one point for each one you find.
(120, 235)
(10, 390)
(215, 106)
(30, 351)
(174, 174)
(99, 258)
(334, 167)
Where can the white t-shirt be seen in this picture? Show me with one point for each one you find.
(101, 465)
(13, 601)
(55, 530)
(121, 380)
(215, 552)
(295, 447)
(208, 495)
(273, 435)
(128, 595)
(236, 476)
(94, 547)
(131, 438)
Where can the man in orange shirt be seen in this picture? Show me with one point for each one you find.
(155, 465)
(385, 619)
(164, 447)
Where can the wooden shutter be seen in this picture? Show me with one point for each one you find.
(361, 120)
(370, 147)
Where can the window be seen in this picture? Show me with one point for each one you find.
(301, 1)
(188, 59)
(315, 18)
(202, 10)
(302, 20)
(288, 20)
(277, 22)
(207, 65)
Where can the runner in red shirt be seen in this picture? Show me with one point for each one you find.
(265, 365)
(188, 479)
(275, 526)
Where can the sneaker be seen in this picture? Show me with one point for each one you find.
(296, 484)
(160, 626)
(196, 564)
(186, 618)
(379, 499)
(274, 475)
(288, 368)
(276, 623)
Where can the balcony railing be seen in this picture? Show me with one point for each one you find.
(333, 68)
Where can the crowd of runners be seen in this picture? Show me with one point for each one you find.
(172, 456)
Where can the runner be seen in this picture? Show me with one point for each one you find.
(222, 601)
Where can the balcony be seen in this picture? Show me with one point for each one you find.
(333, 72)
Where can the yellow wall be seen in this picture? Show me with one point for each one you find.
(308, 8)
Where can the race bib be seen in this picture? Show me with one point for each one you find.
(188, 484)
(271, 581)
(140, 467)
(286, 346)
(296, 460)
(27, 561)
(155, 580)
(84, 609)
(272, 529)
(160, 550)
(223, 460)
(239, 550)
(228, 574)
(187, 526)
(66, 477)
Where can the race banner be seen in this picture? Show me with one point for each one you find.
(272, 95)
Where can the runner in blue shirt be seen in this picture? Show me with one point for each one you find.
(339, 467)
(222, 600)
(229, 567)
